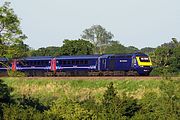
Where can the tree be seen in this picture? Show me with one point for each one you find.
(98, 36)
(49, 51)
(115, 48)
(116, 107)
(167, 57)
(77, 47)
(132, 49)
(18, 50)
(147, 50)
(10, 32)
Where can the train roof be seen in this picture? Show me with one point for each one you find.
(79, 57)
(116, 55)
(37, 58)
(3, 59)
(140, 54)
(122, 55)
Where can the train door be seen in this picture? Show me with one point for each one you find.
(53, 65)
(133, 64)
(112, 64)
(14, 65)
(104, 64)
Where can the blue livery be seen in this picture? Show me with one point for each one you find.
(79, 63)
(82, 64)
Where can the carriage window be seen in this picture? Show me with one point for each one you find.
(68, 62)
(73, 62)
(86, 62)
(64, 62)
(81, 62)
(31, 63)
(44, 63)
(38, 63)
(77, 62)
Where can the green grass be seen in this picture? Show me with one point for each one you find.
(47, 89)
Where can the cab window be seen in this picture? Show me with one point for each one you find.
(144, 59)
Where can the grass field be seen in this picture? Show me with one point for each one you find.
(96, 98)
(48, 89)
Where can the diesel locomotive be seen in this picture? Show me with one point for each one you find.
(83, 65)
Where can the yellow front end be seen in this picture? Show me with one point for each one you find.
(144, 61)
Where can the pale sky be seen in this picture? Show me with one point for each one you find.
(138, 23)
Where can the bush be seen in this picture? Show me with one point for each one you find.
(164, 106)
(157, 71)
(165, 72)
(5, 97)
(118, 108)
(4, 93)
(27, 101)
(67, 109)
(17, 112)
(16, 74)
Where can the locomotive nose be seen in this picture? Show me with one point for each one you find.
(144, 65)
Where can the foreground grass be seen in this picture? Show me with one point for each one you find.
(90, 98)
(49, 89)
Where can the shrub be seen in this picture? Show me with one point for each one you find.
(27, 101)
(4, 96)
(67, 109)
(171, 97)
(16, 74)
(17, 112)
(118, 108)
(164, 106)
(4, 93)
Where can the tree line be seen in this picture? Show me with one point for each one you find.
(94, 40)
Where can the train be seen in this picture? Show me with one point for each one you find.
(80, 65)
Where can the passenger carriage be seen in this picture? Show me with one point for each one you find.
(76, 65)
(33, 66)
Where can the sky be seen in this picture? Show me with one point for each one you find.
(139, 23)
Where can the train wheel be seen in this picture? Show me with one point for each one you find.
(101, 74)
